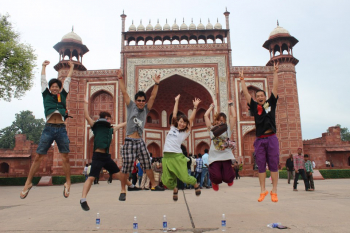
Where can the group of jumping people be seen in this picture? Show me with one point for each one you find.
(134, 148)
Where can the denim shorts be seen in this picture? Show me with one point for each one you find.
(53, 132)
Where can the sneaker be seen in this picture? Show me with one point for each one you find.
(134, 189)
(215, 187)
(84, 206)
(157, 188)
(122, 197)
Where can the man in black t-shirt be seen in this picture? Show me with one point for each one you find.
(266, 143)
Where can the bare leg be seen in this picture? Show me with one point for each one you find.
(33, 169)
(66, 169)
(262, 178)
(274, 177)
(87, 186)
(119, 176)
(123, 181)
(150, 175)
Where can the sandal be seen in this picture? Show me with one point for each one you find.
(262, 196)
(65, 191)
(175, 196)
(197, 191)
(274, 197)
(24, 194)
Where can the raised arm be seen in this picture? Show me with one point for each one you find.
(176, 108)
(122, 87)
(69, 76)
(275, 79)
(196, 101)
(86, 112)
(150, 102)
(206, 115)
(244, 87)
(233, 115)
(43, 76)
(119, 126)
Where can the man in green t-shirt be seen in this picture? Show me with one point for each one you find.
(103, 131)
(54, 99)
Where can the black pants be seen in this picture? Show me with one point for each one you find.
(237, 174)
(296, 178)
(134, 178)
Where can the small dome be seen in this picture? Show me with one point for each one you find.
(149, 26)
(218, 25)
(279, 30)
(158, 27)
(200, 26)
(132, 27)
(175, 26)
(72, 36)
(209, 25)
(140, 27)
(166, 26)
(192, 26)
(183, 25)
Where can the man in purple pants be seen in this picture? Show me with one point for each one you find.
(266, 142)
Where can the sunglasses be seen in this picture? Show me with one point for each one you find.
(141, 101)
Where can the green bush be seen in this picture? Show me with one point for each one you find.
(335, 173)
(17, 180)
(55, 180)
(284, 168)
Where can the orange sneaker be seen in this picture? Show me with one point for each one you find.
(262, 196)
(274, 197)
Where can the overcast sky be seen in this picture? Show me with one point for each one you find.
(322, 28)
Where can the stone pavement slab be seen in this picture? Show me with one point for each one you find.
(46, 210)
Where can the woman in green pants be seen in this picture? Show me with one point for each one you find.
(174, 162)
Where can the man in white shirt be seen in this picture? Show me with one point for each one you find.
(205, 172)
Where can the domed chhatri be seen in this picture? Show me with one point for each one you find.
(141, 27)
(200, 25)
(166, 26)
(192, 26)
(183, 25)
(132, 27)
(175, 26)
(209, 25)
(279, 31)
(158, 27)
(149, 26)
(72, 37)
(217, 25)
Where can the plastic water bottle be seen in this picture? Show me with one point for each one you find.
(274, 225)
(98, 221)
(135, 225)
(165, 224)
(223, 222)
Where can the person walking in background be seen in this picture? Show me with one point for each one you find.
(205, 170)
(139, 173)
(299, 167)
(309, 171)
(134, 173)
(198, 168)
(85, 171)
(236, 168)
(290, 168)
(313, 164)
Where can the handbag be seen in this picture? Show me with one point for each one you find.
(219, 129)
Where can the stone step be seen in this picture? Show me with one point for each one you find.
(45, 181)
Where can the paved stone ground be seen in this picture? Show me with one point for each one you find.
(46, 210)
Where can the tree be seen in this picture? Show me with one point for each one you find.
(344, 133)
(17, 62)
(25, 123)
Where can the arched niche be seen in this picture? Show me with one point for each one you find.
(4, 167)
(102, 101)
(154, 149)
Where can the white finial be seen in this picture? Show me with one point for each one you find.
(183, 19)
(278, 23)
(192, 20)
(217, 20)
(157, 20)
(208, 20)
(200, 20)
(72, 28)
(132, 22)
(166, 20)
